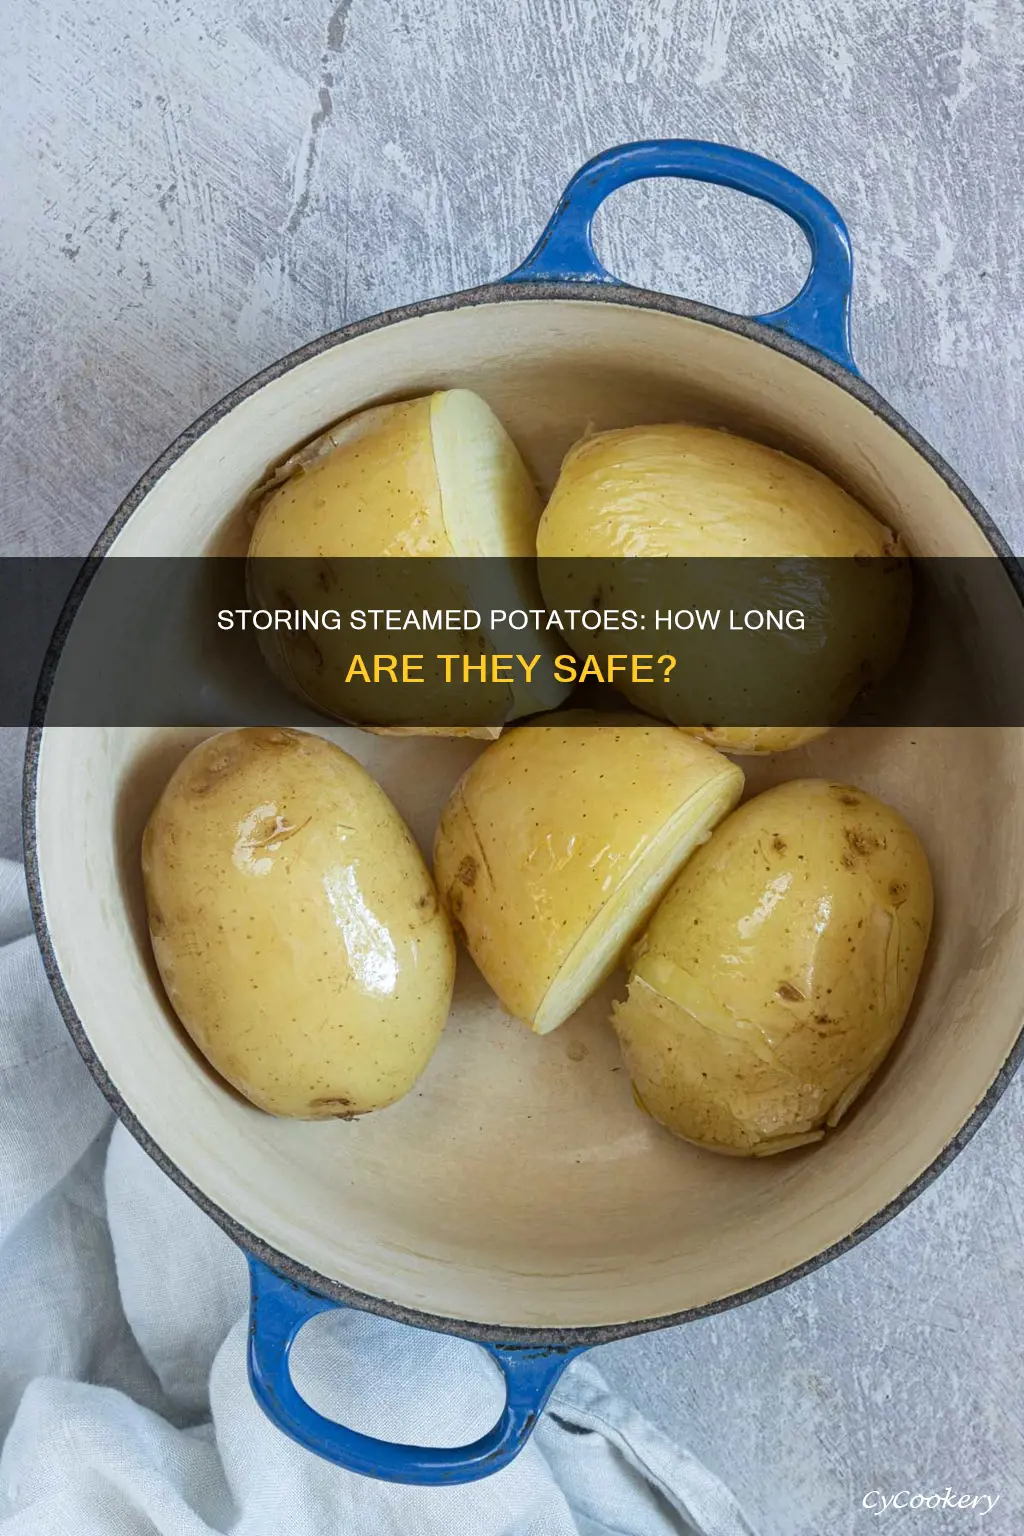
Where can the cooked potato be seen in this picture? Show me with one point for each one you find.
(557, 843)
(475, 732)
(295, 925)
(778, 970)
(705, 495)
(436, 476)
(691, 491)
(755, 740)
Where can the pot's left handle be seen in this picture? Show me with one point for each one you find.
(819, 316)
(279, 1308)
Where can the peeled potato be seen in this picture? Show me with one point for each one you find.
(557, 843)
(295, 926)
(437, 476)
(779, 969)
(701, 494)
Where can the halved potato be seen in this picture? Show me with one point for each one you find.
(779, 969)
(557, 843)
(708, 497)
(474, 732)
(435, 477)
(688, 491)
(438, 475)
(755, 740)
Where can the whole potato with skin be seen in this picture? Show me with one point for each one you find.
(778, 970)
(295, 925)
(557, 843)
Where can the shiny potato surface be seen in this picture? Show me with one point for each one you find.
(777, 972)
(295, 925)
(696, 493)
(557, 843)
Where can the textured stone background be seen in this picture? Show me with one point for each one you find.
(190, 190)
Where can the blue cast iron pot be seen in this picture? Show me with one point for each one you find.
(520, 1200)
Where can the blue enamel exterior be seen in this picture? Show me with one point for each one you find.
(279, 1308)
(819, 316)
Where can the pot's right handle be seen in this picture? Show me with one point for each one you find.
(819, 316)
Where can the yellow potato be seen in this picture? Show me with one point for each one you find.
(473, 732)
(437, 476)
(701, 494)
(557, 843)
(755, 740)
(295, 925)
(690, 491)
(779, 969)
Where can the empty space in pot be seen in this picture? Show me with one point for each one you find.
(518, 1184)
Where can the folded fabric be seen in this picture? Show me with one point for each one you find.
(124, 1403)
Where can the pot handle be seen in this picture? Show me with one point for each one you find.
(819, 316)
(279, 1308)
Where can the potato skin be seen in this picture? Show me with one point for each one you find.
(347, 519)
(756, 740)
(779, 969)
(546, 827)
(368, 488)
(295, 926)
(676, 490)
(681, 490)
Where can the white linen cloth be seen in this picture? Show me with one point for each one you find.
(124, 1404)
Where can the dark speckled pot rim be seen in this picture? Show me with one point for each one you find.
(284, 1264)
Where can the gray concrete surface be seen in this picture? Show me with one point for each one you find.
(191, 189)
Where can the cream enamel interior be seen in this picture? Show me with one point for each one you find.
(519, 1185)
